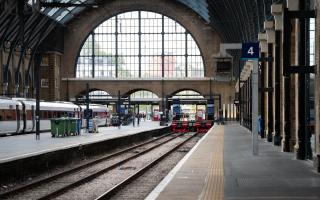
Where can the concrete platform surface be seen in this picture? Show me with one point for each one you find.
(21, 146)
(222, 166)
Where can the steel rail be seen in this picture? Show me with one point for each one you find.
(108, 194)
(75, 169)
(100, 172)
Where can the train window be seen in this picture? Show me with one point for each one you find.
(13, 114)
(43, 115)
(50, 114)
(29, 115)
(8, 115)
(1, 115)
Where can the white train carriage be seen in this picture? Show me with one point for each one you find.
(50, 110)
(28, 113)
(17, 115)
(99, 112)
(11, 119)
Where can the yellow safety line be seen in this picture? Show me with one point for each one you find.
(214, 187)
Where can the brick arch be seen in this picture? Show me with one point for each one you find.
(141, 89)
(184, 89)
(159, 87)
(201, 87)
(83, 92)
(79, 28)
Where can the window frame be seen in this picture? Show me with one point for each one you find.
(191, 62)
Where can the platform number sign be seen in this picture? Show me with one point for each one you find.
(250, 51)
(88, 114)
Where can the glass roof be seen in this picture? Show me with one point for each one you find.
(62, 15)
(199, 6)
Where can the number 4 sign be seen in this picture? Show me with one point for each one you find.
(250, 51)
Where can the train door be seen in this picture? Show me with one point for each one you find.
(33, 114)
(18, 118)
(24, 117)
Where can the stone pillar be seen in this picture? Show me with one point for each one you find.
(54, 82)
(289, 83)
(294, 92)
(301, 132)
(50, 73)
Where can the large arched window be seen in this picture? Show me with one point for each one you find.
(140, 44)
(143, 94)
(188, 94)
(99, 94)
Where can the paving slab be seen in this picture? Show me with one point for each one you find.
(271, 175)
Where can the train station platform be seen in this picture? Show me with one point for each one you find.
(222, 166)
(24, 146)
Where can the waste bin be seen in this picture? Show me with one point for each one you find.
(67, 130)
(58, 127)
(72, 126)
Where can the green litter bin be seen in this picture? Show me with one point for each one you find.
(58, 127)
(72, 126)
(68, 126)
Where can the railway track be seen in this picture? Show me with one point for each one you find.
(61, 184)
(108, 194)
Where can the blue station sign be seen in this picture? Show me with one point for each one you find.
(250, 51)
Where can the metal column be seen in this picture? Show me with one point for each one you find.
(87, 106)
(301, 151)
(286, 62)
(262, 100)
(37, 63)
(270, 99)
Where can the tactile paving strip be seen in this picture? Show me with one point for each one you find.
(214, 187)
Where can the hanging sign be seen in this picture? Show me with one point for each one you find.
(176, 106)
(210, 107)
(250, 51)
